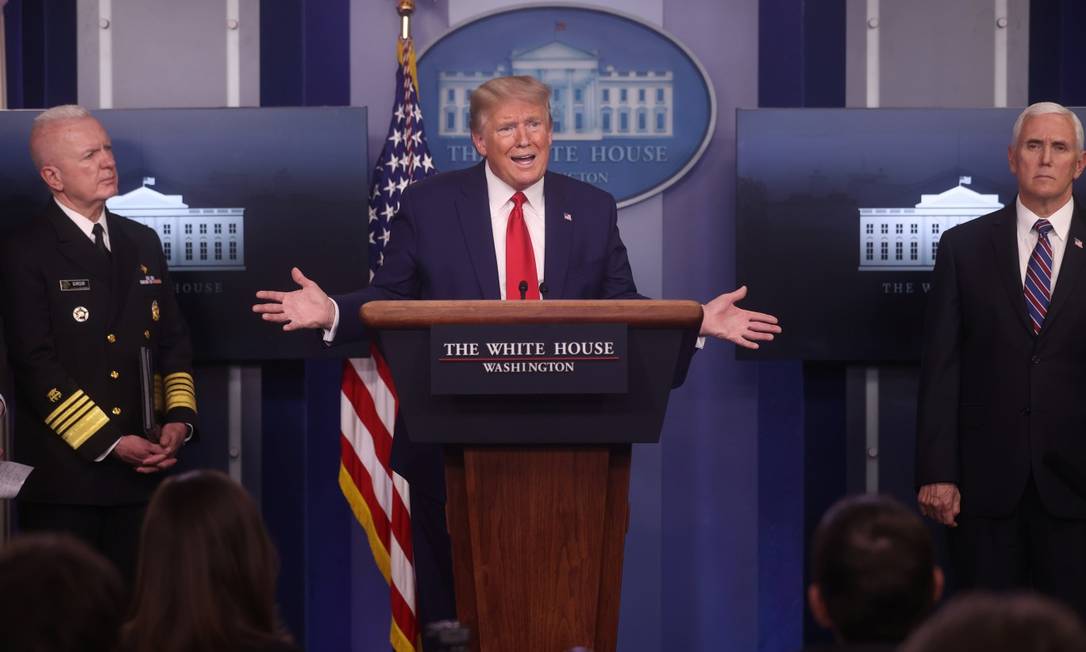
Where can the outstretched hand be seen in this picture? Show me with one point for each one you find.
(307, 307)
(725, 320)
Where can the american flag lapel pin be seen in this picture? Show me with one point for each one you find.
(569, 218)
(1078, 243)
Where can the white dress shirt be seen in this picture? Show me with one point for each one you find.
(1027, 237)
(500, 195)
(85, 224)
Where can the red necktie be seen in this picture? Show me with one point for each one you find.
(519, 257)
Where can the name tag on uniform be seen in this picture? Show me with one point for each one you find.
(75, 285)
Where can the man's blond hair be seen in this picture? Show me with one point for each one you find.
(501, 89)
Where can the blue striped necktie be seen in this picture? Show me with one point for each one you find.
(1038, 286)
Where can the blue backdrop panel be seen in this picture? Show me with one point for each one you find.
(301, 196)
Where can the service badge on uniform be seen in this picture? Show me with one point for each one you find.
(143, 269)
(154, 310)
(53, 395)
(80, 314)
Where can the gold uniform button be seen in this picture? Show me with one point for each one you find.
(146, 335)
(111, 338)
(114, 374)
(116, 411)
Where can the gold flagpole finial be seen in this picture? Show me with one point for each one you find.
(405, 8)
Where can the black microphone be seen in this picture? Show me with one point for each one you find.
(523, 287)
(543, 290)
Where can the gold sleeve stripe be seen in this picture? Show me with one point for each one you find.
(79, 407)
(180, 391)
(172, 403)
(83, 429)
(178, 377)
(63, 407)
(158, 393)
(67, 421)
(176, 395)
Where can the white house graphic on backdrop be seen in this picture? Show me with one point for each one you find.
(193, 239)
(586, 104)
(907, 239)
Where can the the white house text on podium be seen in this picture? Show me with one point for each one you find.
(907, 239)
(193, 239)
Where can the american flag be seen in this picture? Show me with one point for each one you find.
(379, 497)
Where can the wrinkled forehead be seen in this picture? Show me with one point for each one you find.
(1048, 126)
(76, 132)
(516, 110)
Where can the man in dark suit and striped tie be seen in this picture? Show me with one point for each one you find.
(1001, 442)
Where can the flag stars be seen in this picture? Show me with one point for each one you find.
(402, 184)
(390, 187)
(389, 211)
(427, 163)
(399, 112)
(385, 235)
(393, 162)
(396, 137)
(373, 214)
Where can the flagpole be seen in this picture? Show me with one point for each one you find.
(405, 8)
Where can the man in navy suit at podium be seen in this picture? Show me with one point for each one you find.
(503, 229)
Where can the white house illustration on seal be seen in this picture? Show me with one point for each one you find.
(586, 104)
(193, 239)
(907, 239)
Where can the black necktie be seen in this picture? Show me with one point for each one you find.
(100, 239)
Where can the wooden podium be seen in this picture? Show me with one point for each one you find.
(538, 483)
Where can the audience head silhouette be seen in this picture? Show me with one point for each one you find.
(986, 622)
(207, 571)
(873, 572)
(58, 595)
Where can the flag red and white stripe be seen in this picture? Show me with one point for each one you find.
(379, 497)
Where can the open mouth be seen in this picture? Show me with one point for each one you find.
(523, 160)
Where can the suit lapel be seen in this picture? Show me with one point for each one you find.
(123, 258)
(558, 236)
(473, 209)
(74, 245)
(1004, 237)
(1071, 268)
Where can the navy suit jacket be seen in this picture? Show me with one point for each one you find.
(442, 246)
(999, 404)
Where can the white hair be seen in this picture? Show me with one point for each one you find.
(46, 119)
(1047, 108)
(62, 112)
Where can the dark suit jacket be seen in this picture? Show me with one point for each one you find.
(75, 321)
(996, 402)
(442, 246)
